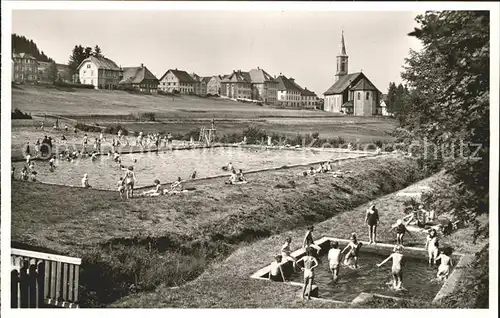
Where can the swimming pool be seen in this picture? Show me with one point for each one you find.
(167, 165)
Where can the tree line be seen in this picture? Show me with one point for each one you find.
(20, 44)
(79, 54)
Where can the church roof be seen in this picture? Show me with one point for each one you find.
(364, 85)
(339, 86)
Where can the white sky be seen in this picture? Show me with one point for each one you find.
(302, 45)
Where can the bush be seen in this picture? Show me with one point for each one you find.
(254, 135)
(87, 128)
(113, 130)
(145, 116)
(17, 114)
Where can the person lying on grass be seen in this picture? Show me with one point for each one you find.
(310, 263)
(241, 177)
(401, 230)
(176, 186)
(154, 192)
(397, 271)
(351, 258)
(446, 263)
(276, 271)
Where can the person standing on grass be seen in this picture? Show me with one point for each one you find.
(334, 256)
(309, 241)
(397, 271)
(310, 263)
(372, 219)
(276, 271)
(52, 164)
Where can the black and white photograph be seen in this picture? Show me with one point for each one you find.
(249, 155)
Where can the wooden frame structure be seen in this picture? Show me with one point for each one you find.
(207, 135)
(41, 280)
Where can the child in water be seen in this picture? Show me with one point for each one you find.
(276, 272)
(334, 256)
(397, 271)
(310, 263)
(351, 258)
(432, 246)
(286, 252)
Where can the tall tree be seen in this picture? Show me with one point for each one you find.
(52, 72)
(21, 44)
(77, 56)
(97, 51)
(451, 106)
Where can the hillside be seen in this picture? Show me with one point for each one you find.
(21, 44)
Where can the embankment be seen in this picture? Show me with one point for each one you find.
(138, 245)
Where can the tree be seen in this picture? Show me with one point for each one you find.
(391, 96)
(21, 44)
(52, 72)
(449, 103)
(97, 51)
(77, 56)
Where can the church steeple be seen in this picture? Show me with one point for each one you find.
(342, 60)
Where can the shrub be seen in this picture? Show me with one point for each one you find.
(145, 116)
(72, 85)
(114, 130)
(17, 114)
(87, 128)
(254, 135)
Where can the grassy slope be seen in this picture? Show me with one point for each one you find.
(172, 239)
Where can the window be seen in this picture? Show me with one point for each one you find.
(359, 95)
(367, 95)
(88, 65)
(91, 73)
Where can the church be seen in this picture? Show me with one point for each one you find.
(351, 93)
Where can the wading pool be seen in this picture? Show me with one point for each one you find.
(419, 281)
(167, 165)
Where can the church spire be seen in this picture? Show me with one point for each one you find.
(342, 45)
(342, 60)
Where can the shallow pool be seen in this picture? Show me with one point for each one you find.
(167, 165)
(418, 279)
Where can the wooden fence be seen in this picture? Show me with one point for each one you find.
(41, 280)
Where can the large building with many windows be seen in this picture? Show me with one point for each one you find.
(100, 72)
(24, 68)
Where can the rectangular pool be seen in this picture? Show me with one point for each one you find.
(167, 165)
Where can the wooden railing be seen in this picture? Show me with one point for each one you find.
(41, 280)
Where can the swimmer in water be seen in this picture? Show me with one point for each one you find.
(334, 256)
(397, 271)
(432, 246)
(310, 263)
(353, 247)
(276, 272)
(446, 264)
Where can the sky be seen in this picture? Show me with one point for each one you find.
(298, 44)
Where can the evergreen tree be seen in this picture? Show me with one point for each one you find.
(97, 51)
(21, 44)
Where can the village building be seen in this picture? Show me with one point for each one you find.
(139, 78)
(264, 86)
(308, 98)
(25, 68)
(177, 81)
(100, 72)
(288, 92)
(351, 93)
(382, 108)
(237, 85)
(214, 86)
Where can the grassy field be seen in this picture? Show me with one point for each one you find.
(140, 244)
(183, 114)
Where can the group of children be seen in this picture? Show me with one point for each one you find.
(349, 257)
(235, 178)
(175, 187)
